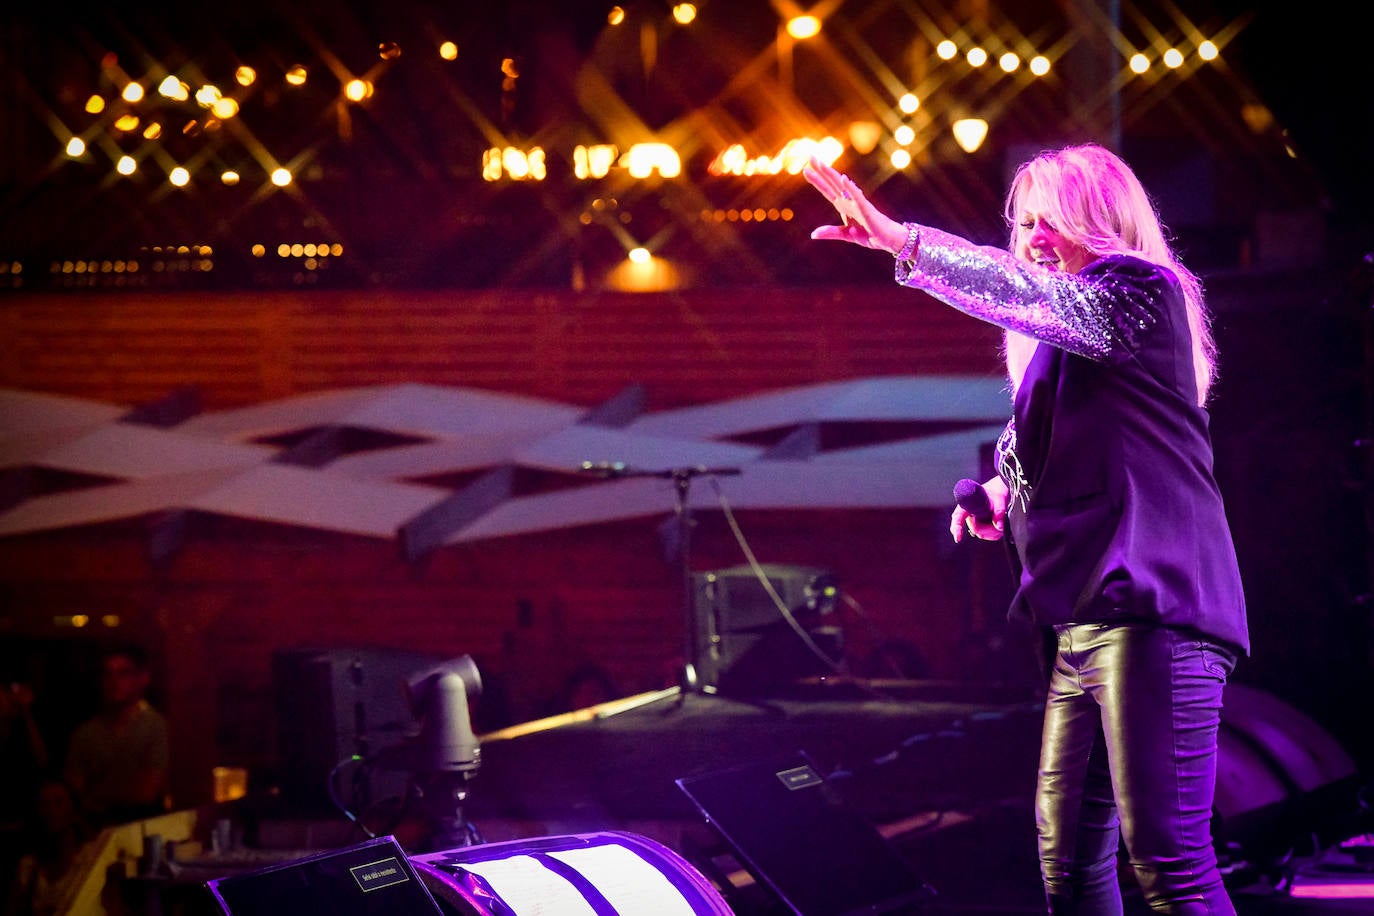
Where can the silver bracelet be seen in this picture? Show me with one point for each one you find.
(913, 237)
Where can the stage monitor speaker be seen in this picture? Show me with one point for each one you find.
(791, 830)
(745, 645)
(374, 878)
(1280, 775)
(331, 704)
(590, 873)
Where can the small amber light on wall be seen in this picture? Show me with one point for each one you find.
(230, 783)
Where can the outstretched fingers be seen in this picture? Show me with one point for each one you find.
(822, 177)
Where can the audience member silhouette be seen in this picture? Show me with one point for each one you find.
(23, 759)
(55, 855)
(117, 761)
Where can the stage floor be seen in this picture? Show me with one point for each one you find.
(944, 771)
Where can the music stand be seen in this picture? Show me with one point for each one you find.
(689, 679)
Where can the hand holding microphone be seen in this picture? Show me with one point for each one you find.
(974, 501)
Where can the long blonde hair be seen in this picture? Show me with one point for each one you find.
(1095, 201)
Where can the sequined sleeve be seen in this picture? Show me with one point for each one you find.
(1092, 314)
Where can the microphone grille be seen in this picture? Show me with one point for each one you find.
(966, 488)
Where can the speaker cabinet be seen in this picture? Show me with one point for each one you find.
(331, 704)
(745, 643)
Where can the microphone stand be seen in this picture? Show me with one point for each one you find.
(689, 678)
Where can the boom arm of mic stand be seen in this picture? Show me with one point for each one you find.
(618, 469)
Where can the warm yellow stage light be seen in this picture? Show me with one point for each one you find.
(803, 27)
(229, 177)
(179, 177)
(357, 90)
(95, 105)
(904, 135)
(245, 75)
(908, 103)
(126, 122)
(970, 133)
(643, 159)
(281, 177)
(126, 165)
(448, 51)
(173, 88)
(133, 92)
(795, 154)
(1257, 117)
(1009, 62)
(1173, 58)
(684, 13)
(1139, 63)
(594, 161)
(207, 96)
(75, 147)
(976, 57)
(388, 50)
(640, 255)
(296, 76)
(1040, 65)
(225, 109)
(152, 131)
(1207, 51)
(900, 159)
(654, 274)
(946, 50)
(516, 164)
(616, 15)
(864, 136)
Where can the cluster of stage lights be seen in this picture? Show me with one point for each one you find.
(165, 259)
(511, 163)
(312, 256)
(153, 260)
(82, 621)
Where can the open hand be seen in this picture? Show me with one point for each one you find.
(861, 223)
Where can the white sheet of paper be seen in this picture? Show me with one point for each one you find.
(629, 883)
(530, 889)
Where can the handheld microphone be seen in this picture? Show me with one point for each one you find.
(973, 499)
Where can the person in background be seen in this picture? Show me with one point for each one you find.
(1105, 494)
(24, 759)
(118, 761)
(57, 853)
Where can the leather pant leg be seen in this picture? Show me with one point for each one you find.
(1076, 815)
(1129, 753)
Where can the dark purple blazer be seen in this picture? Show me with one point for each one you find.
(1123, 519)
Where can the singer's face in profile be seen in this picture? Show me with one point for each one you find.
(1039, 241)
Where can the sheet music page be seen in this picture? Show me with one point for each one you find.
(629, 883)
(529, 888)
